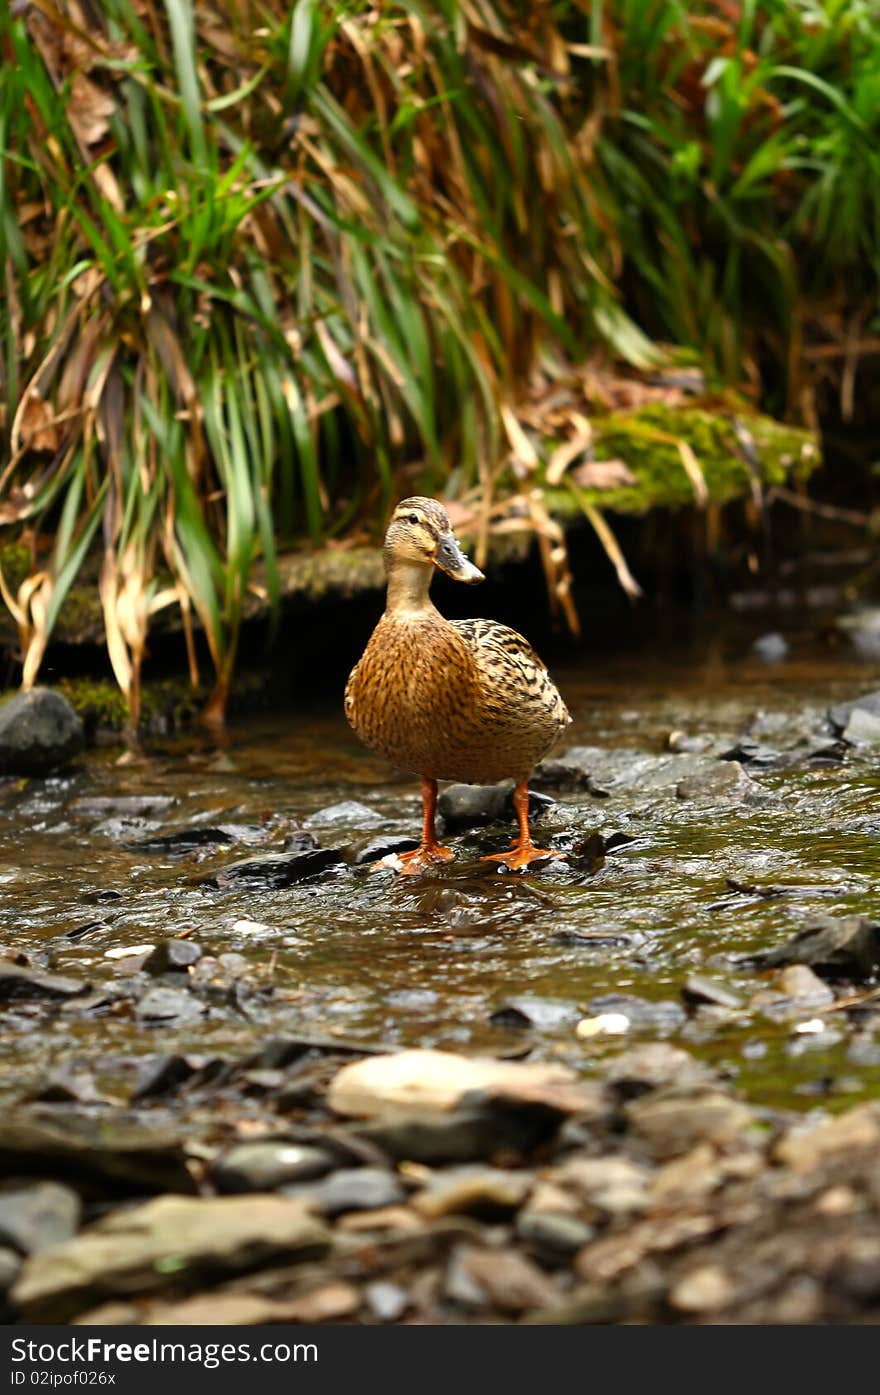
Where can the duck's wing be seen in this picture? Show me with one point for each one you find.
(508, 663)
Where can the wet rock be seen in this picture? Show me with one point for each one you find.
(502, 1279)
(183, 840)
(753, 753)
(172, 956)
(19, 983)
(529, 1011)
(386, 1301)
(697, 989)
(839, 715)
(377, 848)
(489, 1194)
(552, 1237)
(567, 775)
(804, 987)
(772, 647)
(347, 814)
(510, 1018)
(128, 1251)
(431, 1081)
(412, 999)
(161, 1076)
(33, 1219)
(358, 1189)
(119, 1153)
(662, 1017)
(672, 1122)
(262, 1167)
(653, 1065)
(684, 743)
(169, 1005)
(67, 1087)
(848, 947)
(863, 728)
(468, 806)
(39, 733)
(124, 805)
(725, 780)
(277, 869)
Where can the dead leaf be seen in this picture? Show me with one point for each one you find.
(603, 474)
(88, 109)
(37, 427)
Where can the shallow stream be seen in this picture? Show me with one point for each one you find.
(467, 958)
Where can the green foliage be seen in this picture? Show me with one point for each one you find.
(258, 262)
(743, 150)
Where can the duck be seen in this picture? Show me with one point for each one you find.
(462, 700)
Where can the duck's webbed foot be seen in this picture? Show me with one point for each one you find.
(429, 852)
(425, 855)
(523, 852)
(521, 855)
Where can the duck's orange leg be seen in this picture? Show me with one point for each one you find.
(429, 851)
(523, 851)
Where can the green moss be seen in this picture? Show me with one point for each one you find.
(15, 563)
(733, 449)
(165, 706)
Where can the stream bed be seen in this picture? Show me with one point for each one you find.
(198, 938)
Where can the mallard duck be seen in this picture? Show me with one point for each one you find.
(465, 700)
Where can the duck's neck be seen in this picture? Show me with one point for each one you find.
(408, 585)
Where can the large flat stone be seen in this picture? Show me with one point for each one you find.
(173, 1241)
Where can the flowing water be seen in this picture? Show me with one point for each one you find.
(689, 885)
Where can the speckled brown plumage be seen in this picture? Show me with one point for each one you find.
(461, 700)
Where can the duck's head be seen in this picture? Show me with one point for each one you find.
(420, 532)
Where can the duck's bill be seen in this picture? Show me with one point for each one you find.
(451, 560)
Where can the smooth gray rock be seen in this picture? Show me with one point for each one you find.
(18, 983)
(359, 1189)
(468, 806)
(33, 1219)
(862, 728)
(840, 714)
(699, 989)
(39, 733)
(261, 1167)
(172, 956)
(169, 1005)
(551, 1237)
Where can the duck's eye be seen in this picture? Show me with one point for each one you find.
(412, 518)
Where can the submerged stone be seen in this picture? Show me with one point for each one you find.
(278, 869)
(845, 947)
